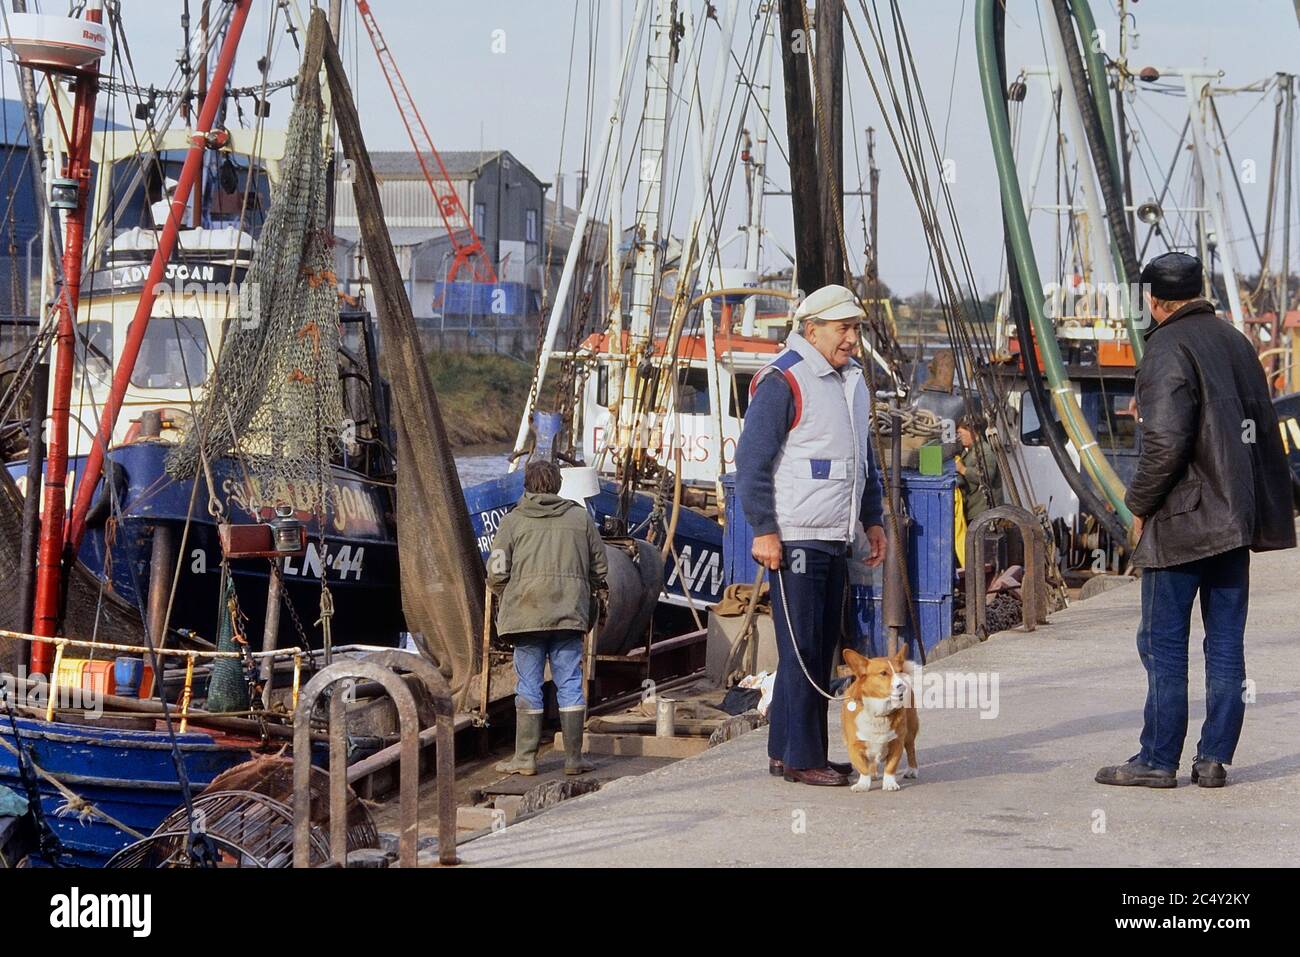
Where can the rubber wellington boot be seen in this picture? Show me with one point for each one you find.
(571, 723)
(528, 735)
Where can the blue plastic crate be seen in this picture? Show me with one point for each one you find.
(738, 563)
(931, 557)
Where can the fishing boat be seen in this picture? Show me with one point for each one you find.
(167, 572)
(200, 295)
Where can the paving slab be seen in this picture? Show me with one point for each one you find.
(1012, 789)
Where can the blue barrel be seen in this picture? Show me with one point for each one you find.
(547, 426)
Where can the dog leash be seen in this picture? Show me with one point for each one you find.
(785, 608)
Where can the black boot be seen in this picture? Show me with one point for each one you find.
(1137, 774)
(1209, 774)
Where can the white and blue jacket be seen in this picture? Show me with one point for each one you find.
(805, 468)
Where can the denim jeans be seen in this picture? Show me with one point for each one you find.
(564, 649)
(1223, 582)
(812, 591)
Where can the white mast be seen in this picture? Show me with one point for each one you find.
(579, 230)
(615, 185)
(754, 236)
(1212, 185)
(1102, 264)
(649, 207)
(705, 217)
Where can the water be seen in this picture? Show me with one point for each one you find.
(476, 465)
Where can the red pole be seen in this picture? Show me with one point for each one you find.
(166, 243)
(49, 555)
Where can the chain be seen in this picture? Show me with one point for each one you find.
(293, 612)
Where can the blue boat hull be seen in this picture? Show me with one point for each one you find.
(141, 791)
(697, 570)
(359, 557)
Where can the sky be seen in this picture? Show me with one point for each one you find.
(495, 73)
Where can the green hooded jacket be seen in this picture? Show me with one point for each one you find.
(546, 564)
(981, 486)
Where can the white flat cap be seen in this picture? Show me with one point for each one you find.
(830, 303)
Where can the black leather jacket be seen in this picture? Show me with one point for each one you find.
(1212, 475)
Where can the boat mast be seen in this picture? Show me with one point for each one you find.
(649, 208)
(614, 295)
(873, 230)
(1197, 89)
(829, 28)
(801, 137)
(575, 244)
(203, 136)
(1288, 140)
(706, 218)
(75, 179)
(1102, 263)
(758, 170)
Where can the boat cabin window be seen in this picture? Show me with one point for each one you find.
(739, 403)
(693, 391)
(173, 355)
(94, 353)
(226, 178)
(1031, 429)
(1112, 415)
(224, 194)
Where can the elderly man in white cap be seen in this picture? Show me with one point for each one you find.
(806, 479)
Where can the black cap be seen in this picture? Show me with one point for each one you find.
(1173, 276)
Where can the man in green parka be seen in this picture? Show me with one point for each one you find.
(546, 565)
(978, 475)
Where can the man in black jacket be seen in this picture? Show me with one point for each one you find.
(1212, 485)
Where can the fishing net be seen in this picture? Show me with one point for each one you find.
(441, 569)
(274, 398)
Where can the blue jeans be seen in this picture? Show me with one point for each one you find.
(564, 649)
(1223, 582)
(812, 591)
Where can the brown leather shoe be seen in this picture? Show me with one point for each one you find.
(820, 777)
(775, 768)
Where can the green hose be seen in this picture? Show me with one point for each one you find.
(1097, 79)
(1067, 406)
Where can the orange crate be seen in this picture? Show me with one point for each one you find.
(1114, 354)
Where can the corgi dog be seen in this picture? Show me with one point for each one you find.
(878, 718)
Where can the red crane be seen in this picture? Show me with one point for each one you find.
(464, 240)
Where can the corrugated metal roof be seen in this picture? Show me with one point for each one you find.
(461, 164)
(400, 235)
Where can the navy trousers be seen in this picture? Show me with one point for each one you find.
(1223, 582)
(811, 587)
